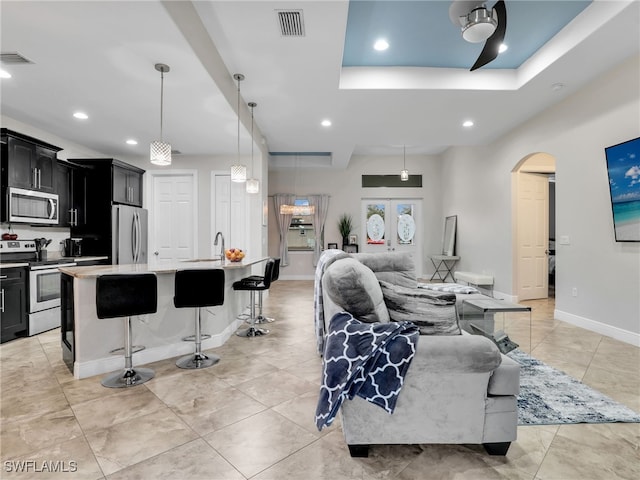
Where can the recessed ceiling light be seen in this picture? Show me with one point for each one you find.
(326, 123)
(557, 86)
(381, 44)
(503, 48)
(4, 74)
(131, 141)
(81, 115)
(467, 123)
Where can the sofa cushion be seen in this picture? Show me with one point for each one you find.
(433, 312)
(354, 288)
(393, 267)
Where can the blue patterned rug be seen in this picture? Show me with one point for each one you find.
(551, 397)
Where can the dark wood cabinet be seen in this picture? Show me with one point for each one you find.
(72, 189)
(13, 303)
(127, 186)
(67, 320)
(124, 180)
(28, 162)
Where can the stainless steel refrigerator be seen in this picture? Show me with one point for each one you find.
(129, 235)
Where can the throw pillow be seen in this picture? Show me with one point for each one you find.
(355, 289)
(433, 312)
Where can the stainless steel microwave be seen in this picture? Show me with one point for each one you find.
(31, 206)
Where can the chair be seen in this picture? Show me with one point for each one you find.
(198, 288)
(253, 285)
(121, 296)
(275, 275)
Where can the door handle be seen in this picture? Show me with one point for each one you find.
(35, 178)
(156, 253)
(2, 300)
(39, 178)
(52, 204)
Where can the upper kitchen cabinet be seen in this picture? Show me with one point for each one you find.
(125, 180)
(72, 194)
(28, 162)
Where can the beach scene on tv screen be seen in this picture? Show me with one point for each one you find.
(623, 166)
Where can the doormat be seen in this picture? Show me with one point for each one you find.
(551, 397)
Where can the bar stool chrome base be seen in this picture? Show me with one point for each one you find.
(130, 377)
(253, 332)
(262, 319)
(198, 360)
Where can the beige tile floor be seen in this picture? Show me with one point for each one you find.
(251, 415)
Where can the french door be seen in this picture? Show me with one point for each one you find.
(393, 225)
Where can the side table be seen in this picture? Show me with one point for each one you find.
(443, 264)
(493, 322)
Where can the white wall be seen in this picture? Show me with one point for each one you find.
(344, 187)
(477, 187)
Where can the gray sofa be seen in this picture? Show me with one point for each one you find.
(459, 388)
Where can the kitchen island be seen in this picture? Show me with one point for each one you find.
(87, 341)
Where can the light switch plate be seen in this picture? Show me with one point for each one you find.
(564, 240)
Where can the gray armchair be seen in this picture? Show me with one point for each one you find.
(459, 388)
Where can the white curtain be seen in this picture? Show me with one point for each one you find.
(321, 204)
(284, 221)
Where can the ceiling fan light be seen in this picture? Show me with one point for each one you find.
(160, 153)
(480, 25)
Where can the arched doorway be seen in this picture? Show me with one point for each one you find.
(533, 213)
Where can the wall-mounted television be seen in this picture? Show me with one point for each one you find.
(623, 168)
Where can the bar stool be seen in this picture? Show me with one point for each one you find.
(252, 285)
(198, 288)
(121, 296)
(275, 275)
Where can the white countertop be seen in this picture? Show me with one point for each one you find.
(93, 271)
(14, 265)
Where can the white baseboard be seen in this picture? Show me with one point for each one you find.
(599, 327)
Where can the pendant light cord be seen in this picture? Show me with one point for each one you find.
(161, 101)
(404, 157)
(238, 110)
(251, 105)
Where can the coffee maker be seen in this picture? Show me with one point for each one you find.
(72, 247)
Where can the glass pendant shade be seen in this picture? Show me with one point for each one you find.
(404, 175)
(160, 153)
(253, 185)
(238, 173)
(297, 210)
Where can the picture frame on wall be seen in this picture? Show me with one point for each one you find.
(353, 239)
(332, 246)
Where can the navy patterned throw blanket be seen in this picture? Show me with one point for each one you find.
(365, 359)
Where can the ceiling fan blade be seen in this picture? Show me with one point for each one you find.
(492, 45)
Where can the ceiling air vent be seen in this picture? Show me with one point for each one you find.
(291, 23)
(13, 58)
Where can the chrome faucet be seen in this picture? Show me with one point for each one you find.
(215, 243)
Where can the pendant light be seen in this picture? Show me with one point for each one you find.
(404, 174)
(238, 171)
(160, 152)
(253, 185)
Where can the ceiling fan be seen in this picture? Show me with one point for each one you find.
(480, 24)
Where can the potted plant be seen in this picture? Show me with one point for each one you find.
(345, 226)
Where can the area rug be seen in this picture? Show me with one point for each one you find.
(551, 397)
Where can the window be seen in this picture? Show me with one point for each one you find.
(302, 235)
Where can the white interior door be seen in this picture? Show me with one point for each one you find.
(229, 212)
(532, 236)
(393, 225)
(172, 217)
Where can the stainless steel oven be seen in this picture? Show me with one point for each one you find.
(31, 206)
(44, 297)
